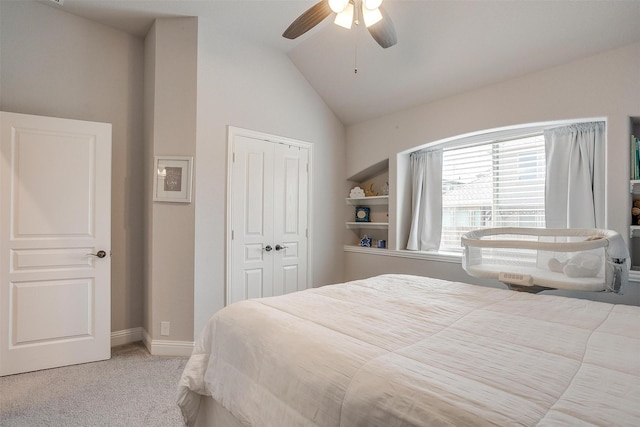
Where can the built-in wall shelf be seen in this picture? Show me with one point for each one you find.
(634, 190)
(368, 201)
(368, 216)
(368, 225)
(366, 250)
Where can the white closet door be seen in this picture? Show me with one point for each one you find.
(252, 220)
(268, 218)
(55, 296)
(290, 180)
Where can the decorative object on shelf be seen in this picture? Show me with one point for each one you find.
(635, 158)
(635, 212)
(365, 242)
(362, 213)
(381, 244)
(385, 189)
(356, 192)
(368, 191)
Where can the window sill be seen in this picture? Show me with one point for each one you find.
(450, 257)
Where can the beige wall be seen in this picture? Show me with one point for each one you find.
(606, 85)
(56, 64)
(170, 130)
(149, 127)
(244, 86)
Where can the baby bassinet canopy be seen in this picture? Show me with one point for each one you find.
(535, 259)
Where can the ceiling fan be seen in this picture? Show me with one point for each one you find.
(347, 12)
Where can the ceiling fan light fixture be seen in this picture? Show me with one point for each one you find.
(345, 18)
(383, 32)
(371, 4)
(370, 16)
(338, 5)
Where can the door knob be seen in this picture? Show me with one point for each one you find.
(99, 254)
(267, 248)
(280, 248)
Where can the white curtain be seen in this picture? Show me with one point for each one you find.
(574, 193)
(426, 200)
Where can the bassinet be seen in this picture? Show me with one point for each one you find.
(535, 259)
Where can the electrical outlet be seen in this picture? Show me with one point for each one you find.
(164, 328)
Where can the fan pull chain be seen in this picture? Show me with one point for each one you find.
(355, 53)
(355, 59)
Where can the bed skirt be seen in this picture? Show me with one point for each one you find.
(212, 414)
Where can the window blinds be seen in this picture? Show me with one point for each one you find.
(492, 184)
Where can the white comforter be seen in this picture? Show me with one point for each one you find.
(412, 351)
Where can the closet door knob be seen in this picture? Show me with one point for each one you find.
(279, 248)
(267, 248)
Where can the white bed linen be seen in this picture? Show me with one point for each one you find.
(399, 350)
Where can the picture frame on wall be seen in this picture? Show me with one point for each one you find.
(172, 179)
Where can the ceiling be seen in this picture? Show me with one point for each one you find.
(444, 47)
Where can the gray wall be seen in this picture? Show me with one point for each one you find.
(257, 88)
(56, 64)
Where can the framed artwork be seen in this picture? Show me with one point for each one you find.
(172, 180)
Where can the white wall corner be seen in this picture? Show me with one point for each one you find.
(167, 348)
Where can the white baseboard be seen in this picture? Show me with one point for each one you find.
(155, 347)
(126, 336)
(168, 348)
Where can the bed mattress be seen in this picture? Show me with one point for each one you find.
(398, 350)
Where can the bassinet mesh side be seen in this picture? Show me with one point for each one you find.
(577, 259)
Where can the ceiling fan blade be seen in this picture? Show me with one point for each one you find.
(309, 19)
(383, 31)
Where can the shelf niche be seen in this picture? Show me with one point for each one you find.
(634, 190)
(368, 201)
(378, 228)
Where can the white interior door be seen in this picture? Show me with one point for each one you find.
(290, 179)
(268, 218)
(55, 239)
(252, 220)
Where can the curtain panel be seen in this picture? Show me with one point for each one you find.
(574, 189)
(426, 200)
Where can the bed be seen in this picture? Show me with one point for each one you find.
(399, 350)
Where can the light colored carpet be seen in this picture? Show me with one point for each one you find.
(132, 389)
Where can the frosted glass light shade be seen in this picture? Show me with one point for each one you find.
(345, 18)
(371, 4)
(338, 5)
(371, 16)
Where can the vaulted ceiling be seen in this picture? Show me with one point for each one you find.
(444, 47)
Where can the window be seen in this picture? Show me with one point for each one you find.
(492, 184)
(505, 178)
